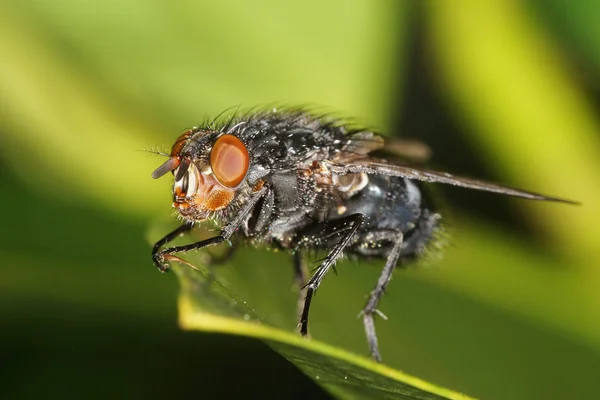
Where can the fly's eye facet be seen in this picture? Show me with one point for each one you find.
(229, 160)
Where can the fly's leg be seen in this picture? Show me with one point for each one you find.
(370, 307)
(211, 260)
(158, 261)
(160, 257)
(324, 231)
(300, 276)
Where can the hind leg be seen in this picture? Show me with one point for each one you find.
(370, 307)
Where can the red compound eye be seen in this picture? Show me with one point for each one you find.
(229, 160)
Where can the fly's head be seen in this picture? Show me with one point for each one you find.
(209, 167)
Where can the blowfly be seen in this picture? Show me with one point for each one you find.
(299, 181)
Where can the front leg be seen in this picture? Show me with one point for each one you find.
(159, 260)
(161, 257)
(324, 231)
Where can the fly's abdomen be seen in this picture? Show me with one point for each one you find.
(392, 205)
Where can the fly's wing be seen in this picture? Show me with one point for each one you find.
(365, 142)
(375, 166)
(406, 149)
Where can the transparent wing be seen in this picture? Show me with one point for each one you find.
(365, 142)
(375, 166)
(407, 149)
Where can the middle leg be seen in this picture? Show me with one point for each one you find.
(323, 233)
(300, 276)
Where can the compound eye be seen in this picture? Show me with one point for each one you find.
(229, 160)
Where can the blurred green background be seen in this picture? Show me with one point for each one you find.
(503, 90)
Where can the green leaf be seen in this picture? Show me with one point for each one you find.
(208, 303)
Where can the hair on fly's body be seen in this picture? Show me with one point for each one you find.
(304, 182)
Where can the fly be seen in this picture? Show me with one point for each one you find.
(301, 182)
